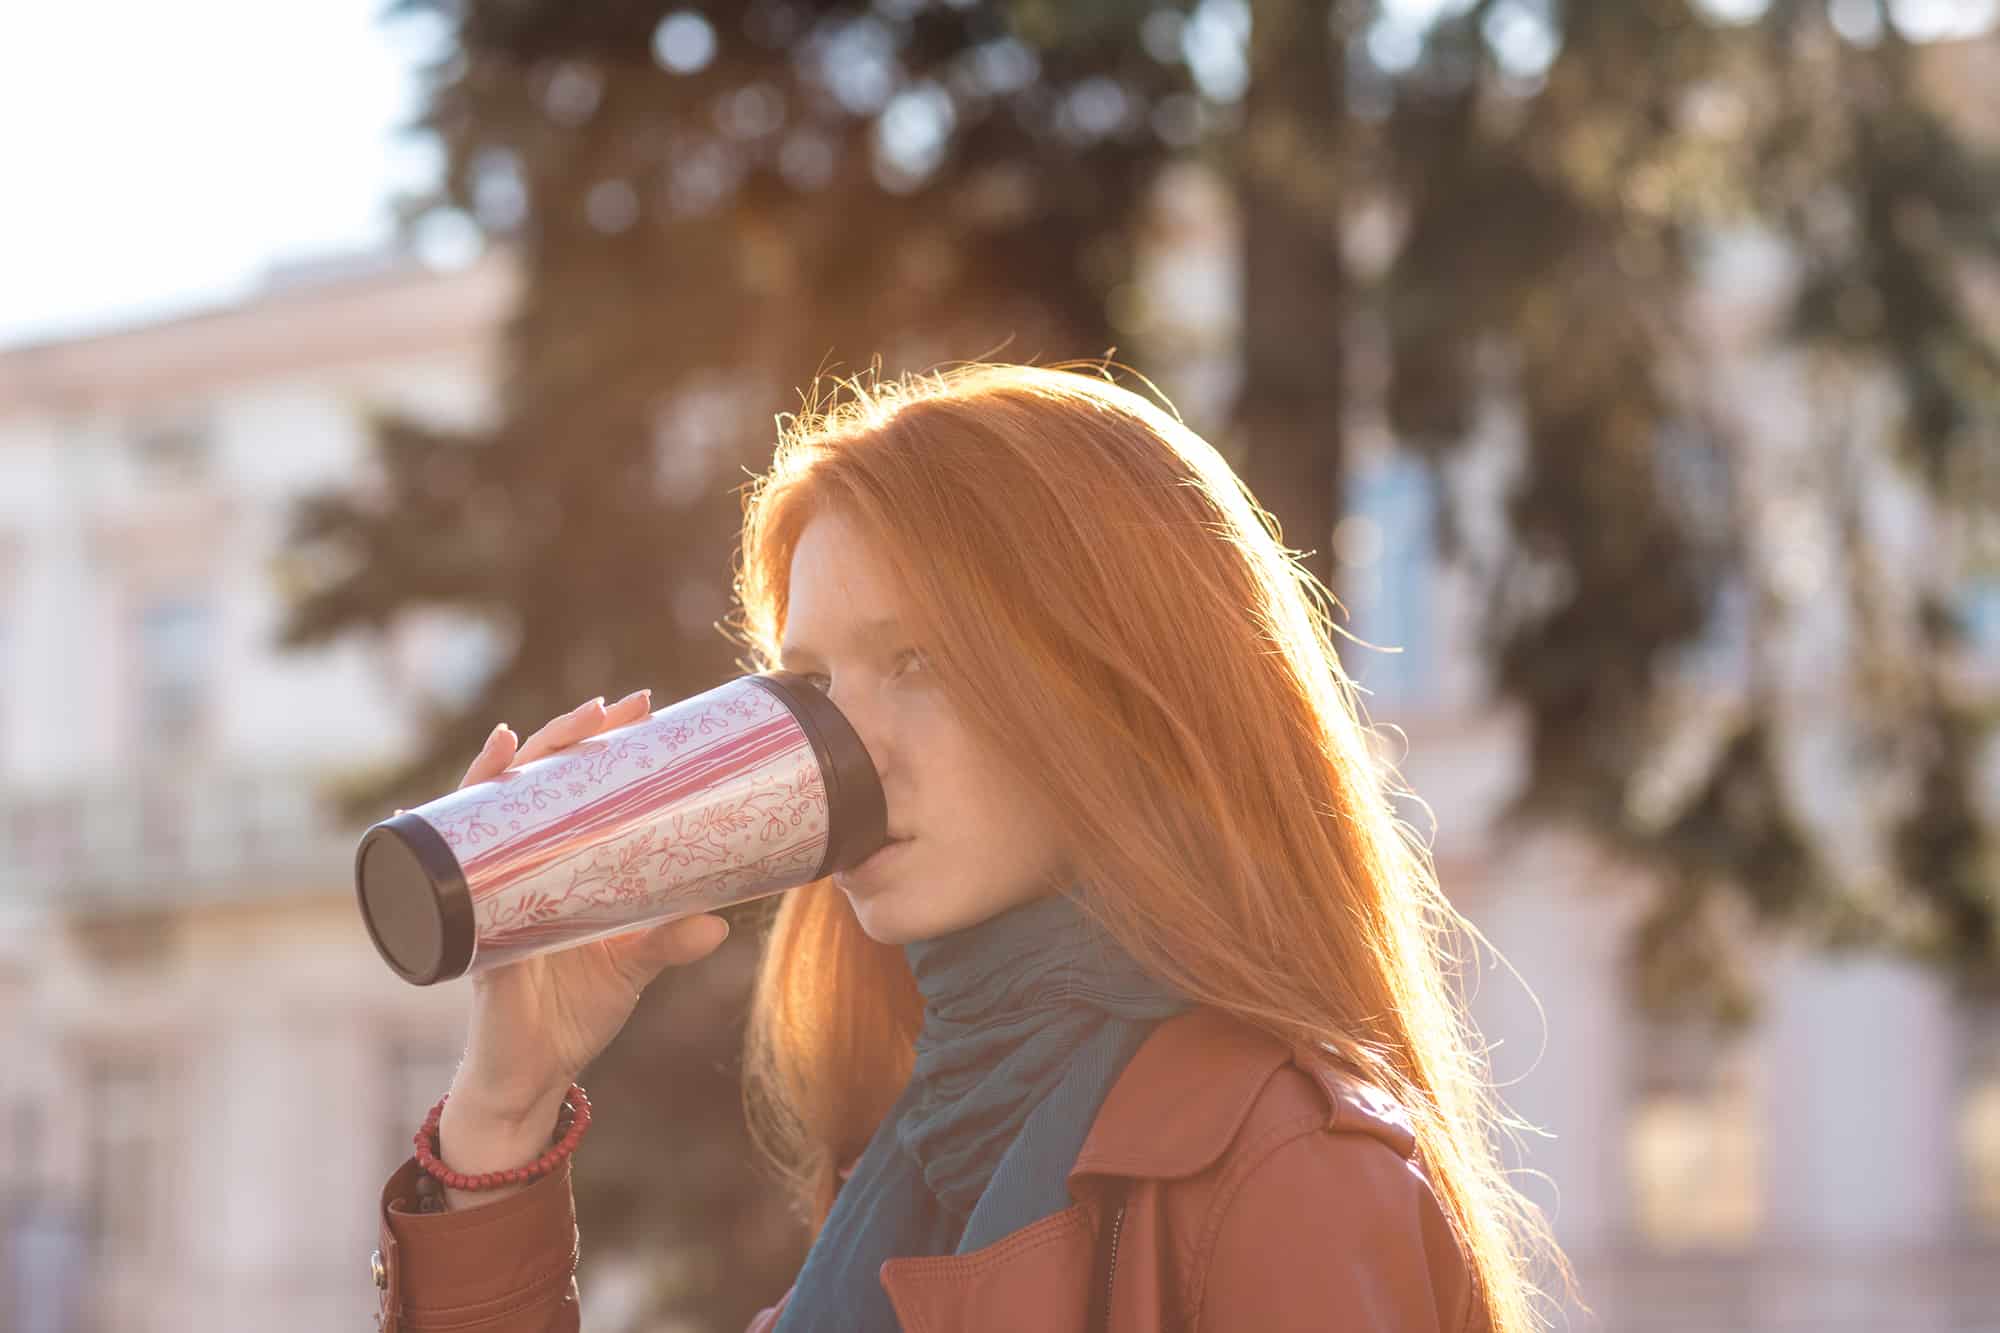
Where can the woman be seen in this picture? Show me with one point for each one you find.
(1141, 1022)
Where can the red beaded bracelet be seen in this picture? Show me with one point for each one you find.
(575, 1102)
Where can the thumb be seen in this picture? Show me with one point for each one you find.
(647, 953)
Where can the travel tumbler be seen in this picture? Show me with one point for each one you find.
(753, 787)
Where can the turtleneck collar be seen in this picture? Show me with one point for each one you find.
(1028, 1018)
(989, 955)
(1045, 951)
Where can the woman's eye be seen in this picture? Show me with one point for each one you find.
(910, 659)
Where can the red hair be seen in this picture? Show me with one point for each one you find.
(1110, 611)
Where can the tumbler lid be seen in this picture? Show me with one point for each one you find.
(857, 817)
(414, 899)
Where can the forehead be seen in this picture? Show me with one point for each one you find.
(839, 588)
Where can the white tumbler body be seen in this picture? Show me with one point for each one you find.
(751, 788)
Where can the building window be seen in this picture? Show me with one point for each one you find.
(175, 452)
(11, 683)
(1978, 612)
(420, 1071)
(176, 653)
(1693, 1143)
(125, 1196)
(23, 1180)
(1979, 1119)
(1385, 553)
(41, 1235)
(1719, 657)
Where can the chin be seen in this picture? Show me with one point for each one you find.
(898, 914)
(882, 922)
(905, 909)
(894, 903)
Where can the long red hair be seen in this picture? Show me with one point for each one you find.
(1111, 611)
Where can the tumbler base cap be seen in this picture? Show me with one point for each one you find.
(414, 900)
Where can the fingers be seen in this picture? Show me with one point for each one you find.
(493, 757)
(643, 954)
(585, 720)
(628, 710)
(504, 750)
(567, 729)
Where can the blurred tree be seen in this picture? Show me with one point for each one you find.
(709, 206)
(708, 210)
(1574, 179)
(1452, 213)
(1287, 173)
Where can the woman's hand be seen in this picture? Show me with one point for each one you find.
(538, 1022)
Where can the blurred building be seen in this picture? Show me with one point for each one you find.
(1838, 1166)
(205, 1071)
(208, 1072)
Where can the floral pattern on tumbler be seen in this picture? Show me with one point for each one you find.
(710, 801)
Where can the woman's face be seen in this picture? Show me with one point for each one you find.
(970, 838)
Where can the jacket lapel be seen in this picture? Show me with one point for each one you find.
(1179, 1101)
(1173, 1111)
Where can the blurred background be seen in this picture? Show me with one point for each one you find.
(1630, 368)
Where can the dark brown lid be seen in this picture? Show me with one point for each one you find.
(414, 899)
(857, 817)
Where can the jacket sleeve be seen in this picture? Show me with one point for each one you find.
(506, 1267)
(1334, 1233)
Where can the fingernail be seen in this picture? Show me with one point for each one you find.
(494, 735)
(646, 694)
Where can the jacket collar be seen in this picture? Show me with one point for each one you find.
(1185, 1093)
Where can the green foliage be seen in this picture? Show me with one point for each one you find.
(1557, 227)
(710, 213)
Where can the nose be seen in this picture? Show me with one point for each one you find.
(870, 722)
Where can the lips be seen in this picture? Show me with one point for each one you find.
(883, 853)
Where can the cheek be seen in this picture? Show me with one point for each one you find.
(1004, 817)
(990, 816)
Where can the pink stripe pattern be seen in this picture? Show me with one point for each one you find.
(714, 800)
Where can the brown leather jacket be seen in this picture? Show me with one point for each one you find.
(1262, 1187)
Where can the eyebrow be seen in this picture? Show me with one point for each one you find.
(885, 625)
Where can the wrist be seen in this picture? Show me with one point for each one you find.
(503, 1112)
(479, 1136)
(481, 1160)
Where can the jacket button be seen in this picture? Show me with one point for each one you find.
(378, 1270)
